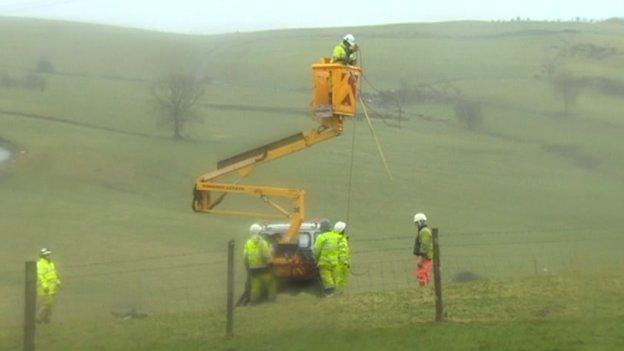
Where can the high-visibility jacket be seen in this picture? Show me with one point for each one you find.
(257, 253)
(342, 54)
(327, 248)
(423, 246)
(47, 278)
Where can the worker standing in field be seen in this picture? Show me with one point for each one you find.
(48, 283)
(344, 257)
(327, 256)
(423, 249)
(258, 257)
(345, 51)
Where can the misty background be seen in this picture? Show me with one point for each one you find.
(200, 16)
(502, 121)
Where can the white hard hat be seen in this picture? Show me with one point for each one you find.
(255, 229)
(349, 38)
(420, 218)
(340, 226)
(44, 252)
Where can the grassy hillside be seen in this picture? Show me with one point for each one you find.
(94, 178)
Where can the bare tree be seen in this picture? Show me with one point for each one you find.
(176, 96)
(469, 113)
(567, 87)
(44, 66)
(34, 82)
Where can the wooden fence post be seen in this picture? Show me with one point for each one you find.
(437, 277)
(229, 329)
(30, 305)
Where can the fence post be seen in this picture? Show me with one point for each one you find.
(437, 277)
(30, 305)
(229, 329)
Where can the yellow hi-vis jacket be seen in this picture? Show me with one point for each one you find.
(423, 246)
(342, 54)
(257, 253)
(345, 251)
(48, 280)
(327, 248)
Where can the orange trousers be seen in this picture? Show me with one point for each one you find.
(423, 273)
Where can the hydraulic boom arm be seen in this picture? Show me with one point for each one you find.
(334, 97)
(244, 164)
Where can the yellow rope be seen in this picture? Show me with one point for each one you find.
(350, 182)
(381, 154)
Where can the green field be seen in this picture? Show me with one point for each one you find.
(544, 313)
(529, 192)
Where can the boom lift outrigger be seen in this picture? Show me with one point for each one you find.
(334, 94)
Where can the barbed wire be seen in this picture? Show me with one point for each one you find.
(375, 250)
(141, 270)
(389, 249)
(148, 258)
(132, 260)
(451, 234)
(446, 256)
(528, 230)
(391, 238)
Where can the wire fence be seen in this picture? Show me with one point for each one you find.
(385, 264)
(139, 286)
(193, 281)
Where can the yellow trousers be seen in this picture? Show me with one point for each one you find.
(329, 277)
(45, 302)
(262, 282)
(342, 272)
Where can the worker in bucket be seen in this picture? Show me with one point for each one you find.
(258, 257)
(344, 257)
(326, 255)
(423, 249)
(48, 283)
(345, 51)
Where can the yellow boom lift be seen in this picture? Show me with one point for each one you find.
(334, 94)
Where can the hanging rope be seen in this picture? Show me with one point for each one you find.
(377, 143)
(350, 180)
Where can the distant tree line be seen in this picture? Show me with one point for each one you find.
(30, 81)
(568, 86)
(615, 20)
(468, 112)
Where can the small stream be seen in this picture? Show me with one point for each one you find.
(4, 155)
